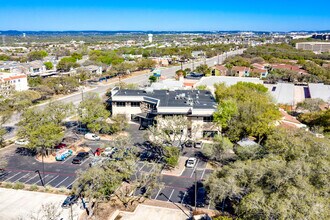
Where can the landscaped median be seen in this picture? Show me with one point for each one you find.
(178, 170)
(36, 188)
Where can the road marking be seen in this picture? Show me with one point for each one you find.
(194, 169)
(142, 166)
(184, 195)
(43, 178)
(22, 177)
(72, 183)
(66, 159)
(52, 180)
(203, 174)
(170, 195)
(12, 177)
(158, 193)
(84, 162)
(31, 178)
(61, 182)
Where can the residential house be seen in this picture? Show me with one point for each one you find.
(219, 70)
(240, 71)
(93, 69)
(293, 68)
(144, 105)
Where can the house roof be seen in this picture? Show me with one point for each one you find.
(319, 90)
(283, 93)
(241, 68)
(220, 68)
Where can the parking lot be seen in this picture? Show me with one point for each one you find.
(22, 166)
(178, 189)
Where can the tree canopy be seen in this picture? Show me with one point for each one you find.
(245, 109)
(288, 179)
(93, 112)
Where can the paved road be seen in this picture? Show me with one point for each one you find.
(140, 80)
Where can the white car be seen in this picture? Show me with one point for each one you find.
(21, 142)
(191, 162)
(91, 136)
(198, 144)
(108, 152)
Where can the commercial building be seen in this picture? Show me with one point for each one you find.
(317, 47)
(144, 105)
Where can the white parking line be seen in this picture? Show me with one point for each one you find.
(158, 193)
(184, 195)
(84, 162)
(203, 174)
(12, 176)
(66, 159)
(194, 169)
(170, 195)
(22, 177)
(43, 178)
(31, 178)
(142, 167)
(52, 180)
(72, 183)
(61, 182)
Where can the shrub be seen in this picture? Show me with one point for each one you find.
(18, 186)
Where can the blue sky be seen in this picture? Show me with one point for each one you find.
(276, 15)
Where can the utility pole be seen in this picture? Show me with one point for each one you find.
(218, 59)
(195, 190)
(43, 165)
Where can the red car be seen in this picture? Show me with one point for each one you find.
(60, 146)
(98, 151)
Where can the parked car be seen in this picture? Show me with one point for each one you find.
(60, 146)
(80, 157)
(98, 151)
(191, 162)
(63, 154)
(201, 199)
(97, 161)
(91, 136)
(69, 201)
(148, 156)
(189, 144)
(80, 130)
(22, 142)
(2, 172)
(198, 144)
(108, 151)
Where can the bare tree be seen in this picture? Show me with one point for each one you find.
(48, 211)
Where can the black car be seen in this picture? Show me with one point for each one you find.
(69, 201)
(148, 156)
(201, 197)
(189, 144)
(80, 157)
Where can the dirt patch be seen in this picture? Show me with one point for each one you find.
(76, 148)
(115, 136)
(177, 171)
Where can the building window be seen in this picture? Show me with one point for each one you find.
(135, 104)
(209, 134)
(208, 119)
(121, 104)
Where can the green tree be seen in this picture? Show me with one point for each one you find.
(220, 150)
(66, 63)
(152, 79)
(48, 65)
(145, 64)
(171, 156)
(288, 179)
(43, 127)
(77, 56)
(37, 55)
(204, 69)
(311, 105)
(93, 112)
(34, 81)
(20, 101)
(62, 85)
(245, 109)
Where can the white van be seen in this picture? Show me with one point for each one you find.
(91, 136)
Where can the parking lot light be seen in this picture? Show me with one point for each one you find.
(42, 182)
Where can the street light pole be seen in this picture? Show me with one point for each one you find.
(43, 165)
(195, 190)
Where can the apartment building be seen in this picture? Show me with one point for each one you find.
(10, 82)
(144, 105)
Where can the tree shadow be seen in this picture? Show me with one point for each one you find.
(23, 151)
